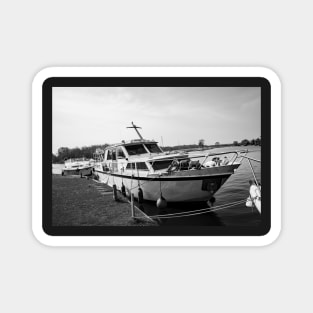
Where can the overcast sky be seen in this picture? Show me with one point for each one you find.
(98, 115)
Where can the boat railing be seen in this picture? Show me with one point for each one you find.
(98, 157)
(252, 170)
(236, 154)
(187, 163)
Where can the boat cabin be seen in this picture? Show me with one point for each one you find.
(132, 156)
(135, 148)
(141, 157)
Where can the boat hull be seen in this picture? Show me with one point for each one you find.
(188, 186)
(77, 171)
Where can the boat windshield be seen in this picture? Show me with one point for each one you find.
(135, 149)
(153, 148)
(161, 165)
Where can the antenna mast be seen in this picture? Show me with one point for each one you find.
(136, 129)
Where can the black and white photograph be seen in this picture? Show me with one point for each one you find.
(149, 155)
(156, 156)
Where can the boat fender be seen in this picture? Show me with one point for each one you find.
(161, 203)
(114, 192)
(140, 195)
(249, 203)
(123, 189)
(212, 200)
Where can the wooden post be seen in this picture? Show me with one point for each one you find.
(132, 205)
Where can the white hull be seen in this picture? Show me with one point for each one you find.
(179, 176)
(192, 186)
(77, 171)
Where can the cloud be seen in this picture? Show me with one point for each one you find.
(83, 116)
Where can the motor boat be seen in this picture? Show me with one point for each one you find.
(78, 166)
(140, 165)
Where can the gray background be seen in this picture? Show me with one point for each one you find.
(37, 34)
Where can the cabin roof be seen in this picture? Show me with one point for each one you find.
(130, 143)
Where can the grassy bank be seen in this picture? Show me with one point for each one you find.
(80, 202)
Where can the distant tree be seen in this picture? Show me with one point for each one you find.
(252, 142)
(63, 150)
(258, 142)
(217, 143)
(245, 142)
(63, 153)
(54, 158)
(201, 143)
(235, 143)
(75, 153)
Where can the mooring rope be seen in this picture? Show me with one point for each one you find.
(198, 212)
(204, 209)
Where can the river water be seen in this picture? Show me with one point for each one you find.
(236, 188)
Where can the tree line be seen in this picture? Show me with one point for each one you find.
(65, 153)
(87, 152)
(244, 142)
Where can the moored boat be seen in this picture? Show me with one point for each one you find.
(177, 176)
(78, 166)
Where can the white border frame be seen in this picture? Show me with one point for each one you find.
(270, 237)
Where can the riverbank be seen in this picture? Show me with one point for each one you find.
(83, 202)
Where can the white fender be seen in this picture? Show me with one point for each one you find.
(255, 195)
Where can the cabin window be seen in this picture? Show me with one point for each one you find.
(142, 166)
(130, 166)
(113, 154)
(109, 155)
(161, 165)
(153, 148)
(120, 154)
(105, 168)
(135, 149)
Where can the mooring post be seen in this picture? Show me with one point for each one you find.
(114, 192)
(132, 207)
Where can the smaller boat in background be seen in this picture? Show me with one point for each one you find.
(78, 166)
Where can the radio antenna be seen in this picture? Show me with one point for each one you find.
(136, 129)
